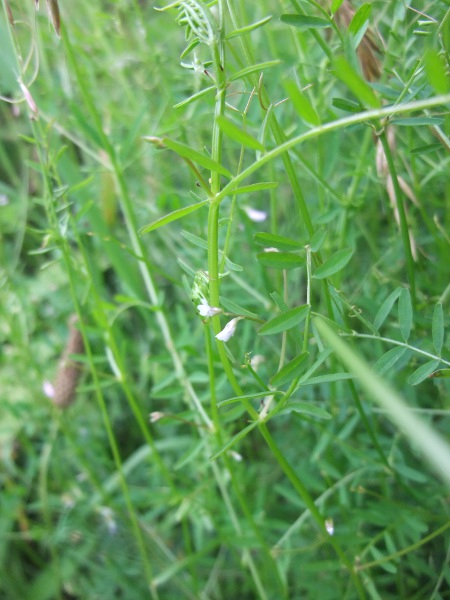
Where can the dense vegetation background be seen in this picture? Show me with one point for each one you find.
(291, 172)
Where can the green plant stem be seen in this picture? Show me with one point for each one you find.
(402, 214)
(363, 117)
(406, 550)
(132, 228)
(379, 338)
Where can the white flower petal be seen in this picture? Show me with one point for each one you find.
(258, 216)
(206, 310)
(229, 330)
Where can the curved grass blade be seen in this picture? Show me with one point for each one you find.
(434, 448)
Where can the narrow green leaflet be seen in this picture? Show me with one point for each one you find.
(317, 240)
(302, 104)
(270, 240)
(280, 260)
(235, 399)
(335, 5)
(423, 372)
(191, 154)
(232, 307)
(195, 239)
(417, 121)
(290, 371)
(195, 97)
(356, 84)
(306, 408)
(305, 21)
(405, 313)
(254, 187)
(438, 328)
(359, 19)
(248, 28)
(386, 308)
(347, 105)
(238, 134)
(334, 264)
(285, 321)
(436, 71)
(254, 69)
(173, 216)
(328, 378)
(234, 440)
(388, 360)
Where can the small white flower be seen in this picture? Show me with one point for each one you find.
(156, 416)
(206, 310)
(329, 526)
(48, 389)
(237, 457)
(229, 330)
(271, 250)
(258, 216)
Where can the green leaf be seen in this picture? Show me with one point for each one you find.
(190, 154)
(234, 440)
(442, 373)
(386, 308)
(307, 408)
(405, 313)
(438, 328)
(347, 105)
(254, 187)
(232, 307)
(335, 5)
(302, 104)
(328, 378)
(231, 266)
(290, 371)
(173, 216)
(238, 134)
(270, 240)
(423, 372)
(254, 69)
(285, 321)
(436, 71)
(388, 360)
(248, 28)
(427, 149)
(417, 121)
(334, 264)
(360, 19)
(195, 97)
(360, 88)
(317, 240)
(434, 447)
(236, 399)
(305, 21)
(193, 44)
(195, 239)
(280, 260)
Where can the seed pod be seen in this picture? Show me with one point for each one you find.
(69, 371)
